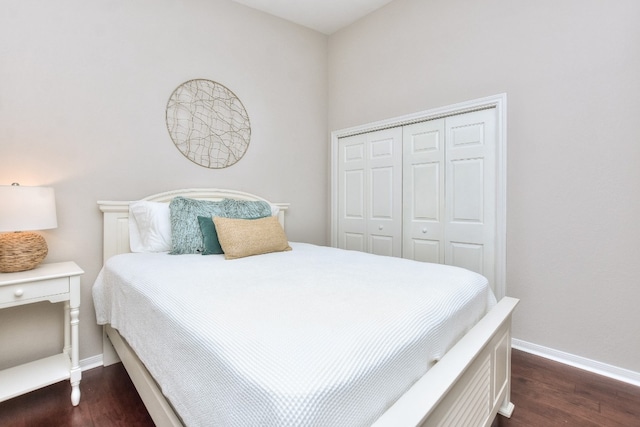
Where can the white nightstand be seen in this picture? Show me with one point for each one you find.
(54, 282)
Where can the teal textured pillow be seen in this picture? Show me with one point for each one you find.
(245, 209)
(186, 237)
(209, 236)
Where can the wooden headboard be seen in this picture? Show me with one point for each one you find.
(116, 214)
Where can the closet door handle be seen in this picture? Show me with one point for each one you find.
(380, 227)
(424, 230)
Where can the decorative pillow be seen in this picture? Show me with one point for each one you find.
(209, 236)
(149, 227)
(186, 237)
(245, 237)
(246, 209)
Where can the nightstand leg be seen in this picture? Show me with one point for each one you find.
(75, 388)
(67, 326)
(76, 373)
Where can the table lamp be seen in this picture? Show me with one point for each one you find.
(22, 210)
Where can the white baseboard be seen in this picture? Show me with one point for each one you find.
(91, 362)
(596, 367)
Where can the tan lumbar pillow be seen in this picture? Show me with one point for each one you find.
(245, 237)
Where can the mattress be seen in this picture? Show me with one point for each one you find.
(316, 336)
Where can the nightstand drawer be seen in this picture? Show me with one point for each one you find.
(34, 290)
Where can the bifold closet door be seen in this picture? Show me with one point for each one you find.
(423, 191)
(370, 192)
(470, 192)
(449, 190)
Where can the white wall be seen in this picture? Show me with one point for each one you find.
(570, 70)
(83, 91)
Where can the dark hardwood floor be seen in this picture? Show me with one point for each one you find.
(108, 399)
(545, 393)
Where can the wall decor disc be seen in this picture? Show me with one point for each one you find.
(208, 123)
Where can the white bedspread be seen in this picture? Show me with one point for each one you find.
(313, 337)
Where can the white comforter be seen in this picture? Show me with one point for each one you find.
(312, 337)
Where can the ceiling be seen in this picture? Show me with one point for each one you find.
(325, 16)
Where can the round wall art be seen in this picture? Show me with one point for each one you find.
(208, 123)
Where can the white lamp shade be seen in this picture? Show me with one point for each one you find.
(27, 208)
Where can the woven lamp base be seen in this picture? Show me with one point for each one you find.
(21, 251)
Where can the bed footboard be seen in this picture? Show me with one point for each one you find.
(469, 386)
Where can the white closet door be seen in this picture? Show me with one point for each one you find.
(352, 193)
(470, 192)
(423, 191)
(384, 223)
(449, 190)
(450, 194)
(370, 192)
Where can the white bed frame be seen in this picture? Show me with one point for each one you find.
(468, 387)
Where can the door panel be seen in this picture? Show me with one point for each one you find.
(370, 192)
(426, 250)
(354, 152)
(426, 191)
(381, 245)
(382, 180)
(354, 242)
(354, 194)
(384, 225)
(467, 190)
(471, 192)
(467, 255)
(466, 132)
(351, 193)
(423, 191)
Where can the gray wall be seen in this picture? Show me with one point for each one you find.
(570, 70)
(83, 91)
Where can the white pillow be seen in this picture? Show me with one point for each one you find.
(149, 227)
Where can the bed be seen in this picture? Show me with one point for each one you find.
(467, 378)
